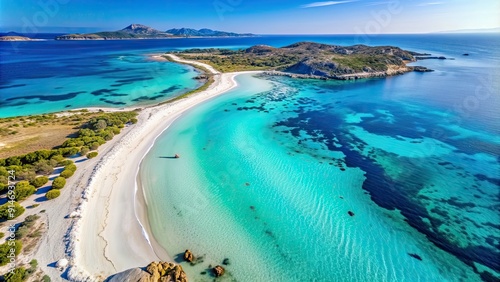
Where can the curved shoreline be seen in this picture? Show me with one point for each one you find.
(109, 236)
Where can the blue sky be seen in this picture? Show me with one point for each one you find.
(256, 16)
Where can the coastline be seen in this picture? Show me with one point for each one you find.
(109, 236)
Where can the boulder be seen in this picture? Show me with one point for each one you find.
(188, 256)
(62, 263)
(218, 271)
(155, 272)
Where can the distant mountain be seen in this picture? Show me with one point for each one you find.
(133, 31)
(139, 31)
(204, 32)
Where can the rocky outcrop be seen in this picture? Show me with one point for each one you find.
(188, 256)
(218, 271)
(154, 272)
(431, 58)
(421, 69)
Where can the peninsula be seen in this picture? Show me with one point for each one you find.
(139, 31)
(311, 60)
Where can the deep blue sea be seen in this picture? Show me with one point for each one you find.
(270, 170)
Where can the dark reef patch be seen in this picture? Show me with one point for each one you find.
(112, 102)
(12, 86)
(132, 80)
(146, 98)
(170, 89)
(102, 92)
(52, 98)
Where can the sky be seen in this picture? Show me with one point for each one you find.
(254, 16)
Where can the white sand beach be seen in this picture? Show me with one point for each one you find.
(107, 236)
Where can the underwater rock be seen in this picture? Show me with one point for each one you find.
(218, 271)
(188, 256)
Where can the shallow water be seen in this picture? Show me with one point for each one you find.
(45, 84)
(269, 172)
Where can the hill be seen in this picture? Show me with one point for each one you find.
(15, 38)
(312, 60)
(139, 31)
(204, 32)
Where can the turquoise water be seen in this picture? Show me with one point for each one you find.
(79, 80)
(269, 172)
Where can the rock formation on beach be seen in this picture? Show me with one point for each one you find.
(154, 272)
(218, 271)
(188, 256)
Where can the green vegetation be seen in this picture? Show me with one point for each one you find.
(11, 210)
(39, 181)
(5, 250)
(46, 278)
(91, 155)
(305, 58)
(23, 190)
(99, 128)
(52, 194)
(26, 226)
(33, 266)
(58, 183)
(18, 275)
(68, 171)
(1, 235)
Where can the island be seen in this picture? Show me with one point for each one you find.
(139, 31)
(15, 38)
(311, 60)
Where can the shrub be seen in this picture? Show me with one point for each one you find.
(24, 190)
(33, 266)
(71, 167)
(52, 194)
(94, 146)
(46, 278)
(18, 275)
(1, 235)
(26, 175)
(30, 219)
(84, 150)
(43, 167)
(92, 155)
(67, 173)
(22, 231)
(5, 250)
(65, 162)
(59, 183)
(7, 210)
(40, 181)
